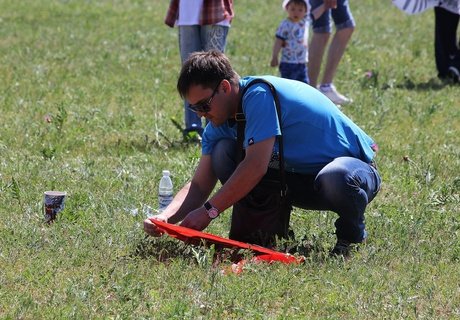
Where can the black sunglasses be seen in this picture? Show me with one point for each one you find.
(204, 106)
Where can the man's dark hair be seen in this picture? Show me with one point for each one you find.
(205, 68)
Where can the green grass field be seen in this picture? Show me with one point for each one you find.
(87, 94)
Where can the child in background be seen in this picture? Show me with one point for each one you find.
(292, 40)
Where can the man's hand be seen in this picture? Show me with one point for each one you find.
(151, 229)
(198, 219)
(330, 4)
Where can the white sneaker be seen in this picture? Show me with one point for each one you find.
(332, 93)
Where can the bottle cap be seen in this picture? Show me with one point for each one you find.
(166, 172)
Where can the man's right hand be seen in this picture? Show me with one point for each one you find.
(151, 229)
(330, 4)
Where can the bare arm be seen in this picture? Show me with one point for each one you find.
(248, 173)
(276, 50)
(193, 194)
(190, 197)
(246, 176)
(330, 4)
(318, 12)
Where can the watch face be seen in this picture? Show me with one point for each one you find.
(213, 213)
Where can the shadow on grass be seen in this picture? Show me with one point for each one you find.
(146, 144)
(159, 140)
(162, 249)
(303, 247)
(165, 249)
(409, 84)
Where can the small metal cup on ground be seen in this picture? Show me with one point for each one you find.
(53, 203)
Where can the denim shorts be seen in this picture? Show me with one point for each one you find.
(341, 15)
(294, 71)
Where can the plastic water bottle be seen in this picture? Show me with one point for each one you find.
(165, 191)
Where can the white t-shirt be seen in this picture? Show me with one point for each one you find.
(189, 13)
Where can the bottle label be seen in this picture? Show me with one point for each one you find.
(164, 201)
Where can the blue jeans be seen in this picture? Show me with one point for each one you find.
(341, 15)
(294, 71)
(346, 186)
(199, 38)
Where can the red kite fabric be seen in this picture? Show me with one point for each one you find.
(195, 237)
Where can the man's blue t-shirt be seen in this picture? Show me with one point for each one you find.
(315, 131)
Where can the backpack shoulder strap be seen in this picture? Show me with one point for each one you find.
(241, 124)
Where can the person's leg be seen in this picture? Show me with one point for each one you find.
(344, 24)
(315, 55)
(445, 41)
(285, 70)
(335, 52)
(454, 57)
(223, 159)
(294, 71)
(346, 186)
(440, 53)
(301, 73)
(214, 37)
(321, 33)
(261, 214)
(189, 42)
